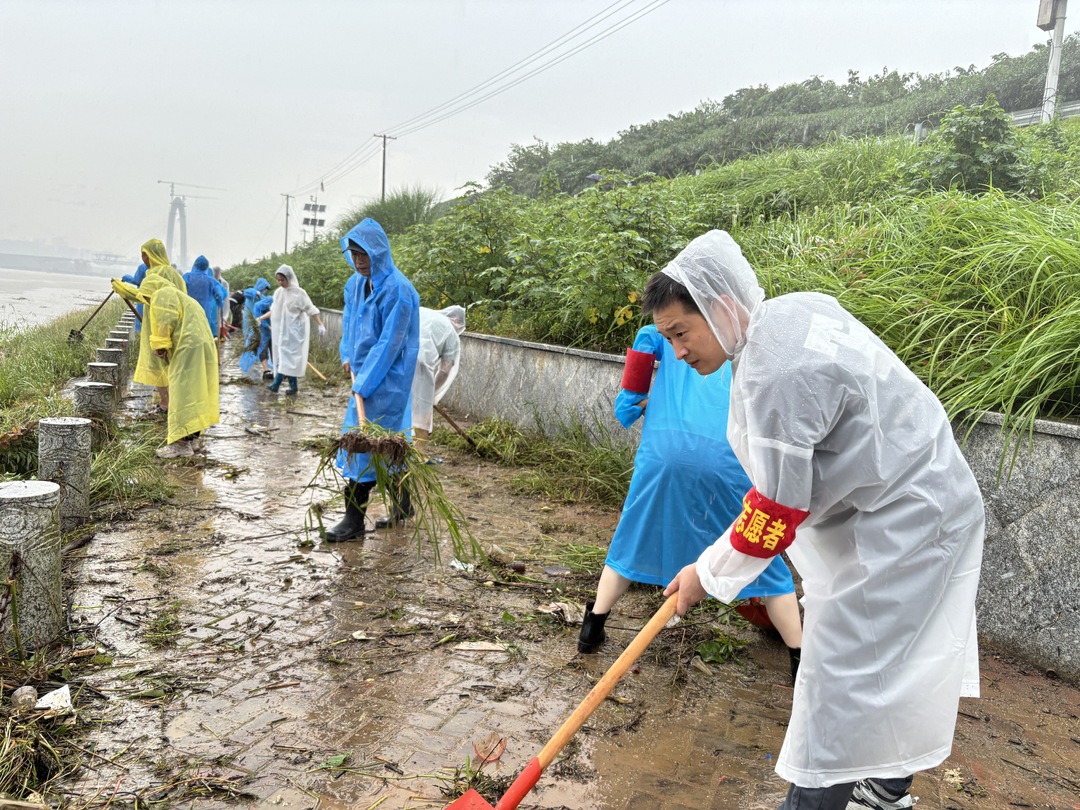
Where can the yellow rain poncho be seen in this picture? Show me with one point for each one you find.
(177, 324)
(150, 369)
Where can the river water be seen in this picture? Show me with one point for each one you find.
(30, 297)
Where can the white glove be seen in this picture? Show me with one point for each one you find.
(322, 330)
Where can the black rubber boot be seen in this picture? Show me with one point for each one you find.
(352, 525)
(795, 653)
(400, 508)
(592, 630)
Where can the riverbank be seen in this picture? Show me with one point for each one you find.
(30, 297)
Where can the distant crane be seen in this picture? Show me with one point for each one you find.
(178, 211)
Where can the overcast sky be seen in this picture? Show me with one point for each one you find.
(100, 99)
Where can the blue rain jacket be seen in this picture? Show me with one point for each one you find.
(687, 487)
(207, 290)
(140, 274)
(380, 339)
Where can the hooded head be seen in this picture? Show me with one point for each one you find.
(155, 253)
(202, 265)
(456, 316)
(262, 285)
(708, 289)
(370, 237)
(289, 274)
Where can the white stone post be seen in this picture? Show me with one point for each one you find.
(125, 356)
(64, 459)
(94, 398)
(30, 565)
(104, 373)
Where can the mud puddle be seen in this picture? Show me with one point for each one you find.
(252, 668)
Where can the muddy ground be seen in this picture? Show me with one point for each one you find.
(248, 664)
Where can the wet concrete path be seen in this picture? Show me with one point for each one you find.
(250, 668)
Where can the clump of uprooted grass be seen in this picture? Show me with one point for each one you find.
(569, 461)
(37, 748)
(399, 466)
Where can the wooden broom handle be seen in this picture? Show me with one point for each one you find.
(361, 416)
(576, 720)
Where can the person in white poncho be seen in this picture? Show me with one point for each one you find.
(856, 474)
(436, 365)
(290, 329)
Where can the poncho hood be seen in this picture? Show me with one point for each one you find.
(261, 285)
(202, 265)
(155, 252)
(370, 236)
(722, 284)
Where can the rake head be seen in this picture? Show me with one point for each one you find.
(75, 336)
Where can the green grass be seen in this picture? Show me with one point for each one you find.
(572, 462)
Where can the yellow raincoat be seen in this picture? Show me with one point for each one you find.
(150, 369)
(178, 325)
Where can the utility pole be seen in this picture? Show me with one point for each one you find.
(1052, 17)
(384, 139)
(287, 198)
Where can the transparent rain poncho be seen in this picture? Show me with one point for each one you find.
(380, 340)
(437, 362)
(826, 419)
(290, 326)
(178, 325)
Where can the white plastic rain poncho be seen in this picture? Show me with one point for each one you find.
(150, 369)
(290, 326)
(827, 420)
(178, 325)
(437, 362)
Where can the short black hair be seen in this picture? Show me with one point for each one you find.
(662, 290)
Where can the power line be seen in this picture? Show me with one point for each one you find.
(532, 57)
(541, 69)
(367, 150)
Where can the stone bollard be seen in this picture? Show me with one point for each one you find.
(104, 373)
(30, 564)
(125, 357)
(111, 355)
(95, 398)
(64, 459)
(119, 334)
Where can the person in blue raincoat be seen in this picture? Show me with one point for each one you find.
(379, 345)
(207, 290)
(687, 488)
(256, 340)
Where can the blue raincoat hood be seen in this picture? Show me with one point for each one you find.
(370, 235)
(262, 284)
(202, 265)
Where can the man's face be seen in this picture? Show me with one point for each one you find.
(362, 262)
(691, 338)
(145, 258)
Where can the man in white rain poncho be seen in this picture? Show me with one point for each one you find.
(436, 365)
(290, 314)
(841, 440)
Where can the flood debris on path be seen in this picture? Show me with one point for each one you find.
(230, 658)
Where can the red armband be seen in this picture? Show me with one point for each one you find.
(637, 375)
(765, 527)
